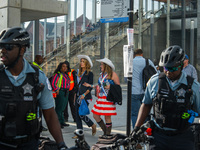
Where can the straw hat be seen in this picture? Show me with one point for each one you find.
(108, 62)
(85, 57)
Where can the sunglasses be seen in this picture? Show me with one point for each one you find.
(172, 69)
(8, 47)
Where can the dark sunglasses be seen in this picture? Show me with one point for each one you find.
(172, 69)
(8, 47)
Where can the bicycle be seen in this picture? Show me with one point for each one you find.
(131, 142)
(80, 143)
(127, 143)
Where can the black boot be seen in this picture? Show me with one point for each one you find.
(103, 126)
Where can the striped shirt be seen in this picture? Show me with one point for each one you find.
(65, 83)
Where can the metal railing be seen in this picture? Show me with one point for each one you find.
(56, 52)
(117, 34)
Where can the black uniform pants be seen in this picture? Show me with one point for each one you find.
(31, 145)
(182, 141)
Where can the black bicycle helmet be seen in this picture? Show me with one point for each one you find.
(172, 56)
(15, 35)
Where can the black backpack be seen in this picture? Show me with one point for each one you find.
(148, 71)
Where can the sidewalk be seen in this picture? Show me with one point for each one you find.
(119, 123)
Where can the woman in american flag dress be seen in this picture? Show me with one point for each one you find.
(103, 107)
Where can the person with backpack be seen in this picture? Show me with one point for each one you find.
(175, 99)
(61, 84)
(23, 89)
(139, 81)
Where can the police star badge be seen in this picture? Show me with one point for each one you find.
(27, 88)
(181, 92)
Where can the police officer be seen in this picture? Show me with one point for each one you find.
(175, 99)
(23, 88)
(38, 61)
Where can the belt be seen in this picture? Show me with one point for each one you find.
(18, 140)
(168, 132)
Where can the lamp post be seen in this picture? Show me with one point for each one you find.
(129, 78)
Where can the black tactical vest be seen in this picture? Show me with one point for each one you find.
(18, 107)
(171, 107)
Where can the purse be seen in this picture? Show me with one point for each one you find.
(83, 108)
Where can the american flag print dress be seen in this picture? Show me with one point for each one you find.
(103, 106)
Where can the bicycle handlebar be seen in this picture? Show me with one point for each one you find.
(134, 138)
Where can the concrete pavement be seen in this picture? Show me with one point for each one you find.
(119, 123)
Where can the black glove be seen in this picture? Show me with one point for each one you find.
(62, 146)
(133, 133)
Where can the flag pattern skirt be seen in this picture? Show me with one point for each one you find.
(104, 107)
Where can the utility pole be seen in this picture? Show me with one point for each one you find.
(129, 78)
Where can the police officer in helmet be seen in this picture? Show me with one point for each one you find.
(175, 99)
(23, 89)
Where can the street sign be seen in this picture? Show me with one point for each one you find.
(130, 34)
(110, 20)
(128, 60)
(114, 11)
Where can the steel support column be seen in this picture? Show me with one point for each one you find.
(192, 42)
(168, 23)
(183, 25)
(129, 83)
(35, 50)
(140, 23)
(84, 15)
(75, 15)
